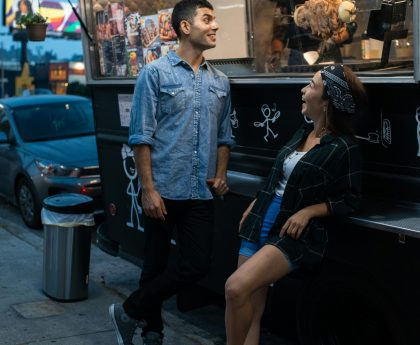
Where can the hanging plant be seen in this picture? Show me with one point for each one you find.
(35, 24)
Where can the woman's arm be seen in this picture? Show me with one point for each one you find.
(343, 195)
(344, 192)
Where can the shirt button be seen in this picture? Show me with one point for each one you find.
(195, 152)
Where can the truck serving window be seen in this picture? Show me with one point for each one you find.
(259, 37)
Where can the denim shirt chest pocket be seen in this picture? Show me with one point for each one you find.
(172, 98)
(217, 98)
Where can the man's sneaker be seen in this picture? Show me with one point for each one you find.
(125, 326)
(152, 338)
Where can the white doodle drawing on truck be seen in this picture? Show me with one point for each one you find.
(271, 115)
(133, 188)
(382, 136)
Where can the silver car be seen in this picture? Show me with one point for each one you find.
(47, 146)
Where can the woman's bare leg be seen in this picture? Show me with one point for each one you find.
(258, 301)
(268, 265)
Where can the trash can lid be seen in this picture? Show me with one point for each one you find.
(69, 203)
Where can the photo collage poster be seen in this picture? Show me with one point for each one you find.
(127, 40)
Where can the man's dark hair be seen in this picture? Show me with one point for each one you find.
(185, 10)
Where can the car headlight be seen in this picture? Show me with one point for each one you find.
(49, 168)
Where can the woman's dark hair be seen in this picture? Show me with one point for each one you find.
(186, 10)
(28, 5)
(341, 122)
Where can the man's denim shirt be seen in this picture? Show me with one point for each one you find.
(184, 117)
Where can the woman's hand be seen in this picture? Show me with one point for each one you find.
(245, 214)
(295, 225)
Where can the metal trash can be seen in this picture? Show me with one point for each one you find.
(68, 220)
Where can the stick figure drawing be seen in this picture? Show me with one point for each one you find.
(267, 111)
(234, 119)
(133, 188)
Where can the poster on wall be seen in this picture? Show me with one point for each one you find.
(116, 18)
(149, 31)
(132, 29)
(111, 37)
(167, 34)
(119, 57)
(125, 102)
(127, 40)
(150, 38)
(134, 50)
(61, 18)
(166, 47)
(151, 53)
(166, 31)
(108, 58)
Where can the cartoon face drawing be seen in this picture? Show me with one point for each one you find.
(128, 162)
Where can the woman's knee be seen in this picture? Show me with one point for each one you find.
(235, 289)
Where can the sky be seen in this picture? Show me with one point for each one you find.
(64, 48)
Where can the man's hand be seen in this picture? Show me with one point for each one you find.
(246, 213)
(153, 205)
(218, 185)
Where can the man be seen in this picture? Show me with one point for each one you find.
(181, 136)
(282, 56)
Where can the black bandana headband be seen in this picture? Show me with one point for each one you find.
(337, 88)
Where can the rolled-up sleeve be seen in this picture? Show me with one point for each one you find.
(345, 191)
(144, 107)
(225, 126)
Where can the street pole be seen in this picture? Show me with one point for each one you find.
(24, 52)
(21, 36)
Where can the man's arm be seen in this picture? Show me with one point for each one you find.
(218, 183)
(224, 141)
(223, 153)
(152, 203)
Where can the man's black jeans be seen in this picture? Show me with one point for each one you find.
(194, 221)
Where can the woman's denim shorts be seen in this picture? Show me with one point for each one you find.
(249, 248)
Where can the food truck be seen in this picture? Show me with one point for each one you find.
(367, 290)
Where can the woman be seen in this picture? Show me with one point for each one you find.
(24, 8)
(315, 175)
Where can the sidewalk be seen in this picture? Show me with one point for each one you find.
(31, 318)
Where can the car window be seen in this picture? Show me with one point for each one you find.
(54, 121)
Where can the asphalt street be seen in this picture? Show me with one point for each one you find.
(29, 317)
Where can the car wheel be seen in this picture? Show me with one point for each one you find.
(29, 206)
